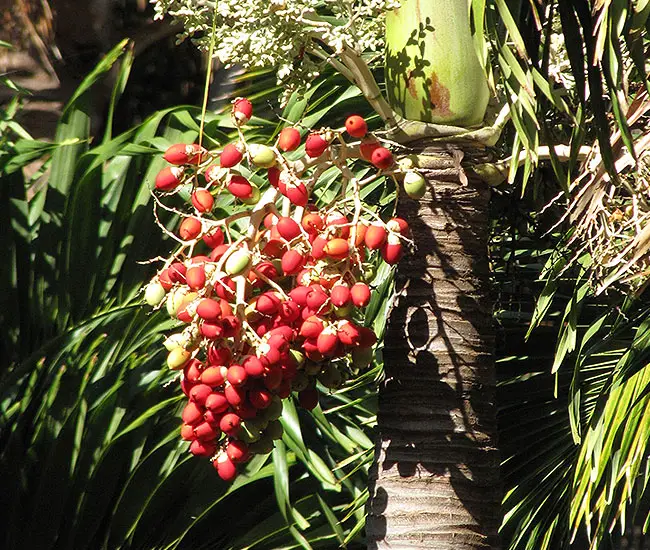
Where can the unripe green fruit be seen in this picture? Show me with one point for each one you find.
(154, 293)
(261, 155)
(175, 300)
(174, 341)
(238, 263)
(255, 195)
(178, 358)
(414, 184)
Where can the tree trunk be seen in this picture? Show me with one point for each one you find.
(435, 482)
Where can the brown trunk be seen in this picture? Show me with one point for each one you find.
(435, 482)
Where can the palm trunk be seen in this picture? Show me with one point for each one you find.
(435, 483)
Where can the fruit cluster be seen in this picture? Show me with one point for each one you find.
(270, 301)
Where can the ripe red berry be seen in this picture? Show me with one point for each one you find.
(289, 139)
(382, 158)
(392, 253)
(169, 178)
(367, 148)
(337, 249)
(313, 223)
(360, 294)
(237, 375)
(375, 236)
(230, 424)
(181, 153)
(225, 467)
(231, 155)
(195, 277)
(216, 402)
(209, 310)
(187, 432)
(340, 295)
(214, 238)
(189, 229)
(199, 393)
(202, 448)
(292, 262)
(242, 111)
(192, 413)
(356, 126)
(253, 366)
(240, 187)
(237, 451)
(297, 193)
(260, 399)
(205, 432)
(288, 228)
(315, 145)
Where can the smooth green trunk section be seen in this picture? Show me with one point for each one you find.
(432, 71)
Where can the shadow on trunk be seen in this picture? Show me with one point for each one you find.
(435, 482)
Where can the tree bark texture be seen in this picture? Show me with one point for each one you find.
(435, 482)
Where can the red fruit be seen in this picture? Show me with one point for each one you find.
(177, 272)
(375, 236)
(356, 126)
(242, 111)
(195, 277)
(205, 432)
(360, 237)
(340, 295)
(202, 200)
(318, 247)
(225, 467)
(231, 155)
(230, 424)
(202, 448)
(292, 262)
(299, 295)
(340, 223)
(360, 293)
(398, 225)
(382, 158)
(235, 396)
(231, 326)
(273, 174)
(308, 398)
(327, 342)
(211, 330)
(240, 187)
(216, 402)
(316, 297)
(209, 310)
(392, 253)
(315, 145)
(165, 280)
(253, 366)
(270, 220)
(289, 311)
(218, 356)
(348, 333)
(237, 451)
(199, 393)
(260, 399)
(367, 337)
(312, 223)
(214, 238)
(182, 153)
(284, 389)
(237, 375)
(267, 303)
(337, 249)
(214, 376)
(187, 432)
(225, 287)
(367, 147)
(288, 228)
(192, 413)
(311, 327)
(296, 193)
(273, 378)
(289, 139)
(190, 229)
(169, 178)
(192, 370)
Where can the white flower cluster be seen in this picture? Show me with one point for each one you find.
(294, 36)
